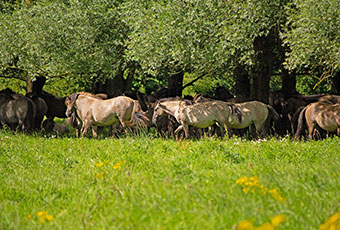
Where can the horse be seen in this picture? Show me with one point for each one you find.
(55, 105)
(165, 123)
(96, 112)
(246, 113)
(41, 110)
(330, 99)
(252, 112)
(324, 114)
(50, 126)
(74, 121)
(200, 115)
(16, 110)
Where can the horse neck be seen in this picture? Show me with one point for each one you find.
(171, 107)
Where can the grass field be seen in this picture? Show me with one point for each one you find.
(151, 183)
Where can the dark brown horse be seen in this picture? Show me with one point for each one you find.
(55, 105)
(16, 110)
(323, 114)
(40, 110)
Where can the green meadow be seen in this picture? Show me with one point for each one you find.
(146, 182)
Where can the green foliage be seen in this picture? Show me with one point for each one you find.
(151, 183)
(96, 39)
(73, 38)
(313, 34)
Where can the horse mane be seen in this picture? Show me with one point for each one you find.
(236, 111)
(97, 96)
(170, 99)
(86, 94)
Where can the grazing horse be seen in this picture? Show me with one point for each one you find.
(16, 110)
(50, 126)
(324, 114)
(96, 112)
(200, 115)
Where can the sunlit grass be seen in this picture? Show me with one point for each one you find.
(153, 183)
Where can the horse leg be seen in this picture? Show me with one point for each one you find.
(95, 131)
(186, 130)
(311, 127)
(311, 131)
(176, 131)
(85, 128)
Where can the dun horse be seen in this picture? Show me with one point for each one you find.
(200, 115)
(205, 114)
(74, 120)
(252, 112)
(96, 112)
(324, 114)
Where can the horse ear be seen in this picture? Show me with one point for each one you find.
(73, 98)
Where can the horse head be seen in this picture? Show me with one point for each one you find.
(69, 102)
(158, 111)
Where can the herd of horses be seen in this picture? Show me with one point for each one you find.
(320, 114)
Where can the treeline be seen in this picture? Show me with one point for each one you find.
(115, 46)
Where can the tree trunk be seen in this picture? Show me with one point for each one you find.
(288, 83)
(175, 84)
(288, 79)
(29, 85)
(118, 85)
(242, 80)
(263, 70)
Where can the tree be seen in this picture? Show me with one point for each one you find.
(73, 39)
(208, 38)
(313, 35)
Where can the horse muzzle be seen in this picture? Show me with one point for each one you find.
(68, 113)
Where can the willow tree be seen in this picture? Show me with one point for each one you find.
(208, 38)
(176, 37)
(79, 40)
(313, 35)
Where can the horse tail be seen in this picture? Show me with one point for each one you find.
(300, 122)
(272, 113)
(137, 116)
(30, 116)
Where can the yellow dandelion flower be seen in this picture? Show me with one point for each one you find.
(245, 225)
(324, 226)
(241, 180)
(100, 175)
(278, 219)
(100, 164)
(119, 164)
(334, 218)
(333, 223)
(266, 226)
(29, 216)
(276, 195)
(49, 217)
(42, 213)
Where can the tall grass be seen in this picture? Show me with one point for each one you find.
(151, 183)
